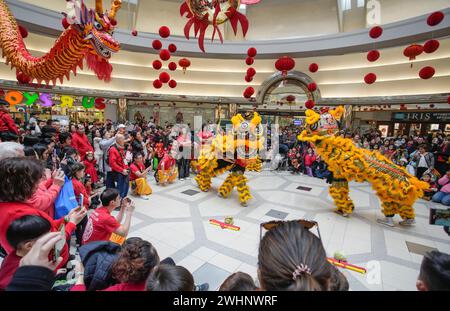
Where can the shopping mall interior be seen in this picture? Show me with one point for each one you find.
(364, 84)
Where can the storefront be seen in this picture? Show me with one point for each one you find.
(282, 118)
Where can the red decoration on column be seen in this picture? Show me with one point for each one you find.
(172, 48)
(172, 66)
(376, 32)
(431, 46)
(184, 63)
(252, 52)
(157, 64)
(251, 72)
(157, 45)
(157, 84)
(248, 79)
(164, 32)
(373, 56)
(249, 61)
(435, 18)
(310, 104)
(164, 55)
(164, 77)
(427, 73)
(413, 51)
(173, 84)
(313, 67)
(370, 78)
(285, 64)
(431, 105)
(312, 87)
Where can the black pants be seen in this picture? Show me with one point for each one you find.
(420, 171)
(183, 168)
(80, 230)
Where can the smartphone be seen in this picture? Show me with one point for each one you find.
(81, 201)
(60, 244)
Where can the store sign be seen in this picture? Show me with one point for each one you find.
(298, 122)
(421, 116)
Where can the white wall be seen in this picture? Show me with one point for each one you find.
(397, 10)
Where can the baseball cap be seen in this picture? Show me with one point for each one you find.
(121, 126)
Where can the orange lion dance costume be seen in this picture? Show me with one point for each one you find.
(396, 189)
(88, 36)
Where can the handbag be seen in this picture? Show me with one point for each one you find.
(66, 200)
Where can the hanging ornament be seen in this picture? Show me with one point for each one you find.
(285, 64)
(172, 48)
(23, 31)
(173, 84)
(157, 84)
(370, 78)
(252, 52)
(313, 67)
(403, 107)
(376, 32)
(23, 78)
(164, 77)
(427, 73)
(134, 33)
(312, 87)
(164, 55)
(435, 18)
(431, 46)
(249, 92)
(157, 45)
(373, 56)
(203, 14)
(184, 63)
(164, 32)
(172, 66)
(310, 104)
(413, 51)
(157, 64)
(431, 105)
(248, 79)
(251, 72)
(249, 61)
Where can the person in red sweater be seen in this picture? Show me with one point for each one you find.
(81, 142)
(119, 165)
(310, 157)
(136, 260)
(6, 122)
(20, 178)
(90, 164)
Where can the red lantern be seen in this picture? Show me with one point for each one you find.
(290, 98)
(285, 64)
(172, 48)
(164, 32)
(403, 107)
(252, 52)
(23, 78)
(310, 104)
(373, 56)
(134, 33)
(251, 72)
(313, 67)
(23, 31)
(100, 103)
(157, 45)
(172, 66)
(249, 61)
(164, 77)
(184, 63)
(435, 18)
(65, 23)
(249, 92)
(413, 51)
(157, 84)
(376, 32)
(248, 79)
(157, 64)
(431, 105)
(173, 84)
(427, 73)
(431, 46)
(370, 78)
(448, 100)
(312, 87)
(164, 55)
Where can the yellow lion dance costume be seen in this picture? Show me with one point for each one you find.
(396, 189)
(234, 151)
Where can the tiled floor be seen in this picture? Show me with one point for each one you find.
(176, 220)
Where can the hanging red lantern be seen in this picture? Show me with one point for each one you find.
(164, 55)
(413, 51)
(173, 84)
(249, 61)
(373, 56)
(184, 63)
(313, 67)
(100, 103)
(164, 77)
(252, 52)
(310, 104)
(134, 33)
(172, 66)
(285, 64)
(431, 105)
(157, 64)
(427, 73)
(248, 79)
(249, 92)
(312, 87)
(370, 78)
(376, 32)
(172, 48)
(157, 84)
(157, 45)
(251, 72)
(65, 23)
(23, 78)
(435, 18)
(290, 98)
(403, 107)
(431, 46)
(23, 31)
(164, 32)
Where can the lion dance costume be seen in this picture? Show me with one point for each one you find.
(234, 151)
(88, 36)
(395, 187)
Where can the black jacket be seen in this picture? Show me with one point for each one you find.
(32, 278)
(97, 258)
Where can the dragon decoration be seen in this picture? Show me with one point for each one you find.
(235, 151)
(88, 36)
(203, 13)
(394, 186)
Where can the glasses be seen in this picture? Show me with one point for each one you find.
(308, 224)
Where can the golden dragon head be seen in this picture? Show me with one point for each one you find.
(319, 126)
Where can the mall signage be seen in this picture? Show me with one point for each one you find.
(437, 117)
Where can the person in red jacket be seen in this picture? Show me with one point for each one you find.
(6, 122)
(119, 165)
(90, 165)
(20, 178)
(81, 142)
(310, 157)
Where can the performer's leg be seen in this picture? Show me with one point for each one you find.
(339, 191)
(389, 211)
(243, 189)
(203, 180)
(227, 186)
(408, 215)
